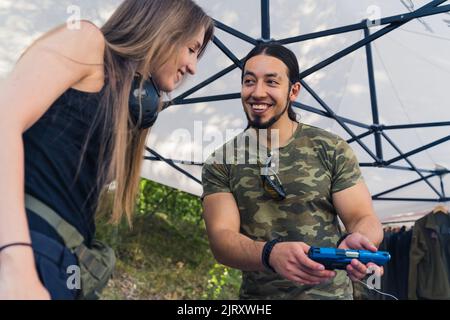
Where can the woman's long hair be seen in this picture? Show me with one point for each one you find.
(141, 34)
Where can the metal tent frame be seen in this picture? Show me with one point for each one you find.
(377, 129)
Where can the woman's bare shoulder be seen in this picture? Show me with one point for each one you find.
(82, 42)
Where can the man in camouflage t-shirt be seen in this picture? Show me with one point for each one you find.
(320, 180)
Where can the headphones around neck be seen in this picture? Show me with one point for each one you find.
(144, 103)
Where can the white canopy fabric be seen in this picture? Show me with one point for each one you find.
(411, 69)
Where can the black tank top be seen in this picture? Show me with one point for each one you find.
(53, 148)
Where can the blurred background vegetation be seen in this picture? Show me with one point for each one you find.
(165, 255)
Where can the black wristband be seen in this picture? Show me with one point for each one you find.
(15, 245)
(266, 253)
(342, 239)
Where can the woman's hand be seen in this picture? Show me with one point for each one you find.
(18, 276)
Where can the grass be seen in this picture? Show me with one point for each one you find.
(164, 258)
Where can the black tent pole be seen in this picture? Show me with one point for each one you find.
(373, 97)
(428, 9)
(361, 25)
(403, 155)
(265, 20)
(173, 165)
(403, 185)
(417, 125)
(413, 199)
(442, 186)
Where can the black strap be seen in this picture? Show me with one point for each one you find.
(17, 244)
(71, 236)
(266, 253)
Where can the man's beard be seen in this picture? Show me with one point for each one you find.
(257, 124)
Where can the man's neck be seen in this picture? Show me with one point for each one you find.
(282, 131)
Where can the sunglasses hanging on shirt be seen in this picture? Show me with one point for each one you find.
(271, 182)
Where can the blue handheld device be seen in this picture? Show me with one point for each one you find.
(333, 258)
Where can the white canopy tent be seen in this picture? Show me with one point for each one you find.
(388, 97)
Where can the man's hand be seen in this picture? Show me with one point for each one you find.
(357, 270)
(291, 261)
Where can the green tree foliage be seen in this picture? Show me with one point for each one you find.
(176, 204)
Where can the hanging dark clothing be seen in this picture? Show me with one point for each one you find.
(395, 278)
(401, 253)
(429, 274)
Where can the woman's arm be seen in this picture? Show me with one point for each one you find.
(45, 71)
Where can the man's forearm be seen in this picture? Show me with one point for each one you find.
(369, 227)
(237, 251)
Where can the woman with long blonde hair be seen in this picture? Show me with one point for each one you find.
(73, 120)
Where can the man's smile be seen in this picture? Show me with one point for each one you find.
(260, 108)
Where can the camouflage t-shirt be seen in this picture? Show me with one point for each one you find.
(313, 165)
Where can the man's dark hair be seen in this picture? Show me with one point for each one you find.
(276, 50)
